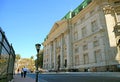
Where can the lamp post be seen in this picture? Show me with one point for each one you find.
(37, 48)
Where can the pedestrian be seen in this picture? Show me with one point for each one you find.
(88, 70)
(24, 71)
(18, 70)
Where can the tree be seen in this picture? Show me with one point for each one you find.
(32, 57)
(40, 59)
(18, 56)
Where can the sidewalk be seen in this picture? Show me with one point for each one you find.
(17, 78)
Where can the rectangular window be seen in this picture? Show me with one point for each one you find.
(92, 12)
(75, 24)
(75, 36)
(94, 26)
(98, 57)
(118, 16)
(96, 43)
(76, 50)
(53, 65)
(86, 58)
(85, 47)
(84, 31)
(63, 40)
(117, 2)
(82, 19)
(75, 32)
(76, 60)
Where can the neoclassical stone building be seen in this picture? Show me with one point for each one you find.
(87, 37)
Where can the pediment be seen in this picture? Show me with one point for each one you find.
(56, 25)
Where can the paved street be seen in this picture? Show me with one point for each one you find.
(17, 78)
(79, 77)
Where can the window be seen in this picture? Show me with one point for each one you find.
(94, 26)
(47, 51)
(118, 16)
(117, 2)
(84, 31)
(76, 50)
(65, 63)
(73, 14)
(63, 39)
(76, 60)
(85, 47)
(86, 59)
(75, 32)
(80, 8)
(96, 43)
(75, 36)
(98, 56)
(53, 65)
(75, 24)
(92, 12)
(82, 19)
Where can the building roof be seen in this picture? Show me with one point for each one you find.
(71, 14)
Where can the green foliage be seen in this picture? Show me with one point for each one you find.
(26, 62)
(18, 56)
(40, 59)
(32, 57)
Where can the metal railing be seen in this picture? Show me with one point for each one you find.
(7, 58)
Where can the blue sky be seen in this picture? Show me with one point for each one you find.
(27, 22)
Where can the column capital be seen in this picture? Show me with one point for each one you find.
(108, 9)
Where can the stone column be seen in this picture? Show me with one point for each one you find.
(44, 63)
(61, 53)
(50, 47)
(54, 52)
(69, 46)
(68, 52)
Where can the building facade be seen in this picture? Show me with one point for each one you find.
(87, 37)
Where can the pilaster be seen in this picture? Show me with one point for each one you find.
(54, 52)
(69, 46)
(68, 51)
(61, 53)
(50, 47)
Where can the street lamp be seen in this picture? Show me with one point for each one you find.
(37, 48)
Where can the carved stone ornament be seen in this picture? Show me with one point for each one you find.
(108, 9)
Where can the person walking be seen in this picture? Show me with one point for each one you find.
(18, 70)
(24, 71)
